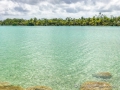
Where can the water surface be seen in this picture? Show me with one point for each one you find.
(60, 57)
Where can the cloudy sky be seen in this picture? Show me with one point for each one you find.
(57, 8)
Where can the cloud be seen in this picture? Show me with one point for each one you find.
(71, 10)
(57, 8)
(31, 2)
(21, 9)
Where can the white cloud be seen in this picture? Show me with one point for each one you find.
(57, 8)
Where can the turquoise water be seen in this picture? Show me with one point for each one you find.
(60, 57)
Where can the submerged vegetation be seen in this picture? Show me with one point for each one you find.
(87, 85)
(98, 20)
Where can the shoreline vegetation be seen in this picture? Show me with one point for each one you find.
(97, 20)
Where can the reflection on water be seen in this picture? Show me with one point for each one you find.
(60, 57)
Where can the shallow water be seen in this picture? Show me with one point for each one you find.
(60, 57)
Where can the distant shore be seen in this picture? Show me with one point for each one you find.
(99, 20)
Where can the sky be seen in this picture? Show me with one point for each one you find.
(27, 9)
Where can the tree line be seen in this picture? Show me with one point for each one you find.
(97, 20)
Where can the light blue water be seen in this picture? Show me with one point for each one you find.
(60, 57)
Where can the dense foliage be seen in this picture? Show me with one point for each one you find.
(100, 20)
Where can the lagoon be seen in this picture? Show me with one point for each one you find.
(62, 57)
